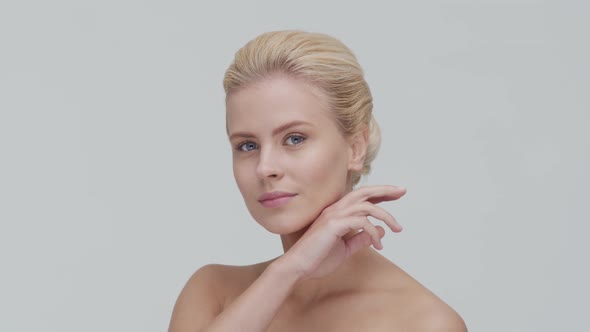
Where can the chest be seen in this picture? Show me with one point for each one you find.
(369, 312)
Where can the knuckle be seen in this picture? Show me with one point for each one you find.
(367, 206)
(332, 222)
(366, 222)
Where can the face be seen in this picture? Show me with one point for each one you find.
(284, 140)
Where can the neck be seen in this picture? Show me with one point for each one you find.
(352, 274)
(349, 275)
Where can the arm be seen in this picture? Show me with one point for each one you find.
(316, 254)
(255, 308)
(198, 309)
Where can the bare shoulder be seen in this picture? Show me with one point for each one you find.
(431, 314)
(227, 281)
(199, 302)
(416, 308)
(204, 295)
(437, 316)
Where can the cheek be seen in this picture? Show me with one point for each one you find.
(242, 175)
(327, 165)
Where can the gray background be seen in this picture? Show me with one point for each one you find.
(115, 173)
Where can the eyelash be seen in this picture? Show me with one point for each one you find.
(240, 145)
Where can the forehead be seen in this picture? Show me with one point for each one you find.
(274, 101)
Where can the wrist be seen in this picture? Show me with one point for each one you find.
(287, 270)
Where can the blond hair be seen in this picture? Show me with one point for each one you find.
(320, 60)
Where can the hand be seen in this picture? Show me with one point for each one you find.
(322, 248)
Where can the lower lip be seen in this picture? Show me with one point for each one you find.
(273, 203)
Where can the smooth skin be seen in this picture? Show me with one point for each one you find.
(323, 247)
(329, 278)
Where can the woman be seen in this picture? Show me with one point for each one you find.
(299, 120)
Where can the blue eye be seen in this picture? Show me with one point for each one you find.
(247, 146)
(295, 139)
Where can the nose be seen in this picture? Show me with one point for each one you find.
(268, 165)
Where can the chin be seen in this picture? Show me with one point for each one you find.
(283, 225)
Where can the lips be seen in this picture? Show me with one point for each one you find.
(275, 199)
(274, 195)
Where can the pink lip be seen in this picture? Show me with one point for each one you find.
(275, 198)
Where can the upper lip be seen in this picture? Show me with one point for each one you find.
(274, 195)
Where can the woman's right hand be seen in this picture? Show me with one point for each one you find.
(323, 247)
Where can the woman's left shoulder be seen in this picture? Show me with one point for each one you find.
(434, 315)
(418, 308)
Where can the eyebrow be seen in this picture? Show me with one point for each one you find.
(275, 131)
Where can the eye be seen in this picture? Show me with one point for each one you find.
(246, 146)
(295, 139)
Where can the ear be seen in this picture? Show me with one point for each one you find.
(358, 150)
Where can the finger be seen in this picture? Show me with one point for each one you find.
(355, 223)
(366, 209)
(381, 231)
(362, 240)
(358, 242)
(373, 194)
(397, 193)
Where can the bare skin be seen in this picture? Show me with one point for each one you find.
(369, 293)
(329, 278)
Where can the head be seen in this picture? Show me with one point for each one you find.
(314, 81)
